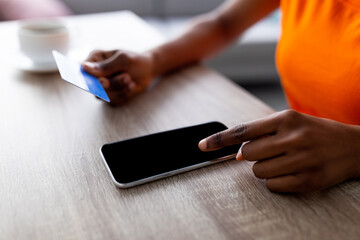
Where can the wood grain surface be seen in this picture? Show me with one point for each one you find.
(54, 184)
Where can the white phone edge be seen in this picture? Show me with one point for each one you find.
(163, 175)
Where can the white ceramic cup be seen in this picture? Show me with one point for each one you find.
(37, 39)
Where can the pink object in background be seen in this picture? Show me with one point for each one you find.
(25, 9)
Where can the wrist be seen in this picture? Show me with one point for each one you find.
(153, 57)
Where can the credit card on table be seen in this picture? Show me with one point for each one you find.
(72, 72)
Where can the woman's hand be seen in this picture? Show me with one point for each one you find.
(122, 74)
(295, 152)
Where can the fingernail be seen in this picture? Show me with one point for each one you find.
(202, 145)
(105, 83)
(239, 157)
(126, 79)
(89, 65)
(131, 86)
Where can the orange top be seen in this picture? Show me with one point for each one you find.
(318, 57)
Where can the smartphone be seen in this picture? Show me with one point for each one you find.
(144, 159)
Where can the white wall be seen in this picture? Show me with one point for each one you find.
(141, 7)
(145, 7)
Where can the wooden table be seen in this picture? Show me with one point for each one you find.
(54, 184)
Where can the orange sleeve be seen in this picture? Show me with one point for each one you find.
(318, 57)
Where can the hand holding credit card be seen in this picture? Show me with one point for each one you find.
(72, 72)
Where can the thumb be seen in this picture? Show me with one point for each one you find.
(107, 67)
(93, 68)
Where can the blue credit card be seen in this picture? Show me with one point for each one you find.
(72, 72)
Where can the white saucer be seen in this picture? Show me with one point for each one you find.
(23, 63)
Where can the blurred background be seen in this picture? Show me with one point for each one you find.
(248, 62)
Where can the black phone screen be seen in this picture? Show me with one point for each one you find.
(142, 157)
